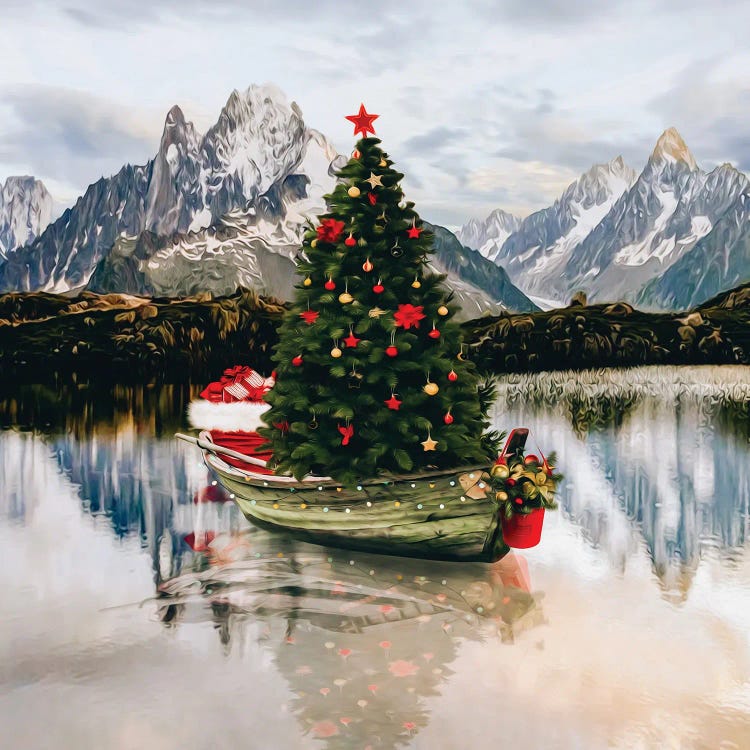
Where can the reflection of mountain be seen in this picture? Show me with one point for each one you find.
(668, 468)
(108, 447)
(363, 641)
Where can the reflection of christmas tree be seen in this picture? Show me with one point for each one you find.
(362, 640)
(371, 375)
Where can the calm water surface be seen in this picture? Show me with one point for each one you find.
(140, 610)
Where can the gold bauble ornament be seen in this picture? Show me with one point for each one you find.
(314, 243)
(383, 162)
(336, 352)
(431, 389)
(500, 470)
(307, 281)
(354, 192)
(442, 310)
(345, 298)
(415, 284)
(501, 497)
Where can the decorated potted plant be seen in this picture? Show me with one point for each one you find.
(524, 486)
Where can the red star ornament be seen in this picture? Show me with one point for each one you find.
(351, 340)
(413, 232)
(393, 403)
(309, 316)
(363, 121)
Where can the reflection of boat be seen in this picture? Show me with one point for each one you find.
(442, 515)
(363, 641)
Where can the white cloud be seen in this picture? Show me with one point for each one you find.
(525, 95)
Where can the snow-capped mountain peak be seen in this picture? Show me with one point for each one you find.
(537, 251)
(488, 235)
(671, 148)
(25, 211)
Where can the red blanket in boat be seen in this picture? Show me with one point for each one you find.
(247, 443)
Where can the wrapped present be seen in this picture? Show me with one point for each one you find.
(239, 383)
(235, 403)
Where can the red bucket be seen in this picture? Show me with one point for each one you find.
(523, 530)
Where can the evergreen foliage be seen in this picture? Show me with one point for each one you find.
(364, 289)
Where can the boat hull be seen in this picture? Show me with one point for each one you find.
(448, 515)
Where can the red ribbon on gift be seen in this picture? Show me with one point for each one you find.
(239, 383)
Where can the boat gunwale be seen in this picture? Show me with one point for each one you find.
(251, 478)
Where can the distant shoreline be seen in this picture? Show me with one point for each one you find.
(49, 338)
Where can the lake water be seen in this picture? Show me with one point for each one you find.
(140, 610)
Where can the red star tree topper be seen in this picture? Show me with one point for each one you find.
(363, 121)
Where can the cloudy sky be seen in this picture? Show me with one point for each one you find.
(483, 104)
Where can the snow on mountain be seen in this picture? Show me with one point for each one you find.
(25, 211)
(253, 246)
(535, 254)
(489, 235)
(671, 207)
(718, 260)
(668, 238)
(257, 146)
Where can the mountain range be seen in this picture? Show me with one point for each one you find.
(226, 209)
(666, 239)
(213, 212)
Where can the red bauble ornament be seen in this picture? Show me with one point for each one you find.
(373, 200)
(531, 459)
(448, 418)
(309, 316)
(356, 154)
(363, 121)
(452, 376)
(367, 266)
(434, 334)
(378, 289)
(297, 361)
(391, 351)
(330, 285)
(350, 241)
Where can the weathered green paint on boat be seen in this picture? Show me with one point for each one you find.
(430, 515)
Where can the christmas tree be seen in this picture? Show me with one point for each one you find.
(371, 369)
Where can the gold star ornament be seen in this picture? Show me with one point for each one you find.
(374, 180)
(429, 444)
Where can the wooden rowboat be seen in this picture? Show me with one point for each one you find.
(440, 515)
